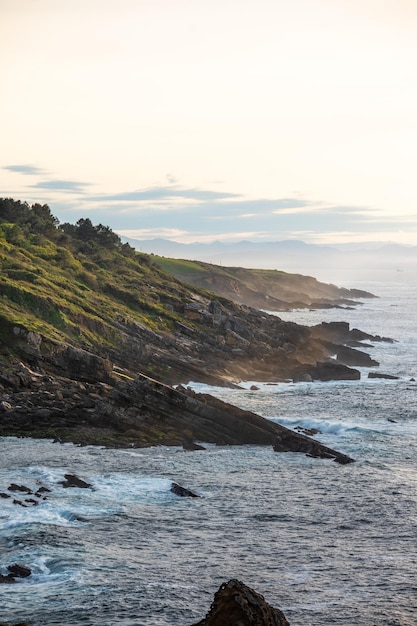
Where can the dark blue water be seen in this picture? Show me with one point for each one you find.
(328, 544)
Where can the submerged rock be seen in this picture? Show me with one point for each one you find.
(7, 580)
(23, 488)
(380, 375)
(15, 571)
(73, 481)
(181, 491)
(19, 571)
(236, 604)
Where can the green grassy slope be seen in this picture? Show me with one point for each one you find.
(78, 291)
(267, 289)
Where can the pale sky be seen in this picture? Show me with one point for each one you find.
(202, 120)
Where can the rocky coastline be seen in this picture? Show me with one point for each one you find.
(136, 413)
(69, 394)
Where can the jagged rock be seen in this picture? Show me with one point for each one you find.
(235, 604)
(73, 481)
(181, 491)
(19, 571)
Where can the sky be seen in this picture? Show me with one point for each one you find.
(203, 120)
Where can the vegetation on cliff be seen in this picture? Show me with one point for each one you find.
(93, 333)
(272, 290)
(80, 285)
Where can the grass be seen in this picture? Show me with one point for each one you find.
(70, 295)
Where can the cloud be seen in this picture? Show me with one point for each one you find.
(70, 186)
(181, 213)
(160, 193)
(30, 170)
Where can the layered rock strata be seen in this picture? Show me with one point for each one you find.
(136, 413)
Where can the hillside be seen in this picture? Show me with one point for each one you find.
(271, 290)
(78, 285)
(87, 325)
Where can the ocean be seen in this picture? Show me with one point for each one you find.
(328, 544)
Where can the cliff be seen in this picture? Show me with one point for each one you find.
(271, 290)
(88, 327)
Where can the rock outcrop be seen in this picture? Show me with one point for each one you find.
(137, 413)
(236, 604)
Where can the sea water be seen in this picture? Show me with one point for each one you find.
(326, 543)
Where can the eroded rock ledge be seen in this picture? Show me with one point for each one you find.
(136, 413)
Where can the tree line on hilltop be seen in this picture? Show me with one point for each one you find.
(27, 220)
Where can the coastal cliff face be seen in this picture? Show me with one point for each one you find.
(82, 314)
(72, 290)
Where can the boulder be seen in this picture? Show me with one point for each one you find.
(235, 604)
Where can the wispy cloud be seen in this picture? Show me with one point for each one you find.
(29, 170)
(69, 186)
(161, 193)
(181, 213)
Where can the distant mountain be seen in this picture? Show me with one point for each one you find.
(339, 263)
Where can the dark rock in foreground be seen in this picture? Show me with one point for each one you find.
(236, 604)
